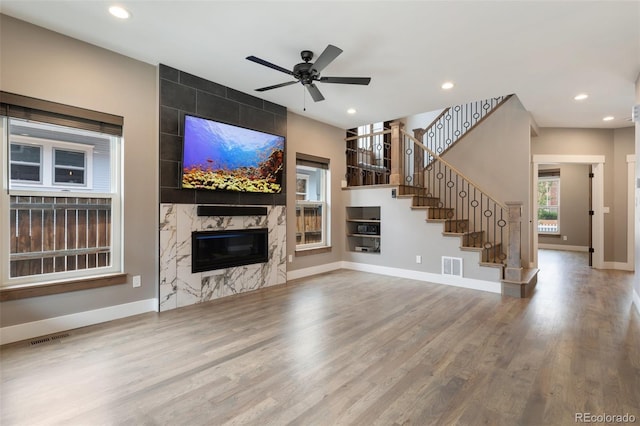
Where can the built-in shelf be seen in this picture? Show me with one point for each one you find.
(363, 229)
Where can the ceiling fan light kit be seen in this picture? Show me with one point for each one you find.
(308, 73)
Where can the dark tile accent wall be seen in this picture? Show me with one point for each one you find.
(182, 93)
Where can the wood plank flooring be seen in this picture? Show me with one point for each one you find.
(347, 348)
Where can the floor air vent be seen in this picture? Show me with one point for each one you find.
(452, 266)
(48, 339)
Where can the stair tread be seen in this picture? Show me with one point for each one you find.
(431, 207)
(462, 234)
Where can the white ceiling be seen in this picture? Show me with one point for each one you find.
(546, 52)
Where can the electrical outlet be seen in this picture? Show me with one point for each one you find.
(136, 281)
(418, 259)
(564, 238)
(290, 258)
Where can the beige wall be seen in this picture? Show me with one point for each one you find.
(312, 137)
(637, 201)
(46, 65)
(623, 145)
(496, 156)
(614, 145)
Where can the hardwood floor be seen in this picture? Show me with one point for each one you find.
(347, 348)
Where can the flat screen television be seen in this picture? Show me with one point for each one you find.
(219, 156)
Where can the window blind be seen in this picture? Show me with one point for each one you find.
(27, 108)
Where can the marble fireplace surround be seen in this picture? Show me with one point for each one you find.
(180, 287)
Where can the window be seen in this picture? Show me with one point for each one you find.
(371, 148)
(61, 198)
(312, 209)
(549, 202)
(43, 164)
(69, 167)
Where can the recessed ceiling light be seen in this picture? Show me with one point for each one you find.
(119, 12)
(608, 118)
(581, 97)
(447, 85)
(351, 111)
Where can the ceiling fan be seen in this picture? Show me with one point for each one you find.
(308, 73)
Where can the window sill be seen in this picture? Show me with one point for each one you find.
(310, 251)
(47, 289)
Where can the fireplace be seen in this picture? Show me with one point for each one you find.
(224, 249)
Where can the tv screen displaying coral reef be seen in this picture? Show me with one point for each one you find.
(220, 156)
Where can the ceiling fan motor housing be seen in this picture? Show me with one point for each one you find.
(304, 72)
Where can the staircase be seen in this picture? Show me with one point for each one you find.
(415, 164)
(465, 211)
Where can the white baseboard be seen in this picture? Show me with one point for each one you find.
(490, 286)
(15, 333)
(636, 300)
(620, 266)
(470, 283)
(563, 247)
(314, 270)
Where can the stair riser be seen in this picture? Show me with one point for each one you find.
(426, 201)
(458, 226)
(439, 213)
(473, 239)
(492, 254)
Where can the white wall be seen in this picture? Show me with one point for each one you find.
(420, 121)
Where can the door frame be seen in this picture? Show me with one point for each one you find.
(597, 227)
(631, 174)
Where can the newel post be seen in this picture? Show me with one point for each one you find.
(397, 165)
(513, 271)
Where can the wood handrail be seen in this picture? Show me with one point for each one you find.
(383, 132)
(455, 169)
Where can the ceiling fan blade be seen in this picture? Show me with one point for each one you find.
(314, 92)
(326, 57)
(346, 80)
(275, 86)
(269, 64)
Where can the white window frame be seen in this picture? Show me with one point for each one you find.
(47, 166)
(323, 203)
(9, 189)
(557, 230)
(22, 163)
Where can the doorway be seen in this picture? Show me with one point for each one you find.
(564, 204)
(596, 162)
